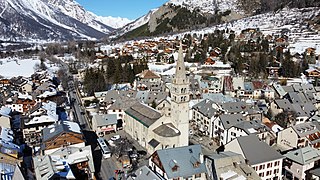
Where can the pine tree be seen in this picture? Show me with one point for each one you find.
(111, 68)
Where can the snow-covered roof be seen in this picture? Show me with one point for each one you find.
(42, 119)
(5, 111)
(46, 94)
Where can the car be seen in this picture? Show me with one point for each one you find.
(133, 155)
(111, 143)
(115, 137)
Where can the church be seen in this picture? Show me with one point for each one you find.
(155, 131)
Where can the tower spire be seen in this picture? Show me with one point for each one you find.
(180, 77)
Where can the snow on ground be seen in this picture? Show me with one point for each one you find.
(291, 22)
(13, 67)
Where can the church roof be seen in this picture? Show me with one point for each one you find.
(167, 130)
(147, 74)
(143, 113)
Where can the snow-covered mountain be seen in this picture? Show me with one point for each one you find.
(173, 17)
(115, 22)
(137, 23)
(75, 10)
(50, 20)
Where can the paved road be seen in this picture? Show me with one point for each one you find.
(104, 167)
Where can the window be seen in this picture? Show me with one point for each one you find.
(197, 176)
(269, 165)
(275, 171)
(267, 174)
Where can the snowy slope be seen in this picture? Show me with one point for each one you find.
(8, 67)
(292, 21)
(115, 22)
(208, 6)
(51, 20)
(137, 23)
(76, 11)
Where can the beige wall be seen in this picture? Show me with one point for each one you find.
(287, 139)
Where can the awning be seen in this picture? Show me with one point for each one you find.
(107, 129)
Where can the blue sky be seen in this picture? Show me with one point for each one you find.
(130, 9)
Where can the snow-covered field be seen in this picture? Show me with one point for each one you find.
(13, 67)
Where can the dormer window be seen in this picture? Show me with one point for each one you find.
(173, 165)
(195, 163)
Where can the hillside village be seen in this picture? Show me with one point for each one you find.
(223, 105)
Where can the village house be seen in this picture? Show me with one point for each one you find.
(4, 82)
(20, 102)
(298, 162)
(104, 124)
(65, 163)
(255, 127)
(143, 173)
(32, 127)
(149, 80)
(203, 115)
(224, 165)
(62, 134)
(5, 118)
(180, 162)
(7, 143)
(300, 135)
(119, 106)
(266, 161)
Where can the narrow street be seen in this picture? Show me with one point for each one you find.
(104, 168)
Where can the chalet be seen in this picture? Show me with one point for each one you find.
(266, 161)
(209, 61)
(180, 162)
(20, 102)
(149, 80)
(64, 134)
(281, 42)
(4, 82)
(313, 73)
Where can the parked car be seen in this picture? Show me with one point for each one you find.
(115, 137)
(111, 143)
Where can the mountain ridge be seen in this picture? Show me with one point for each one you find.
(50, 20)
(214, 11)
